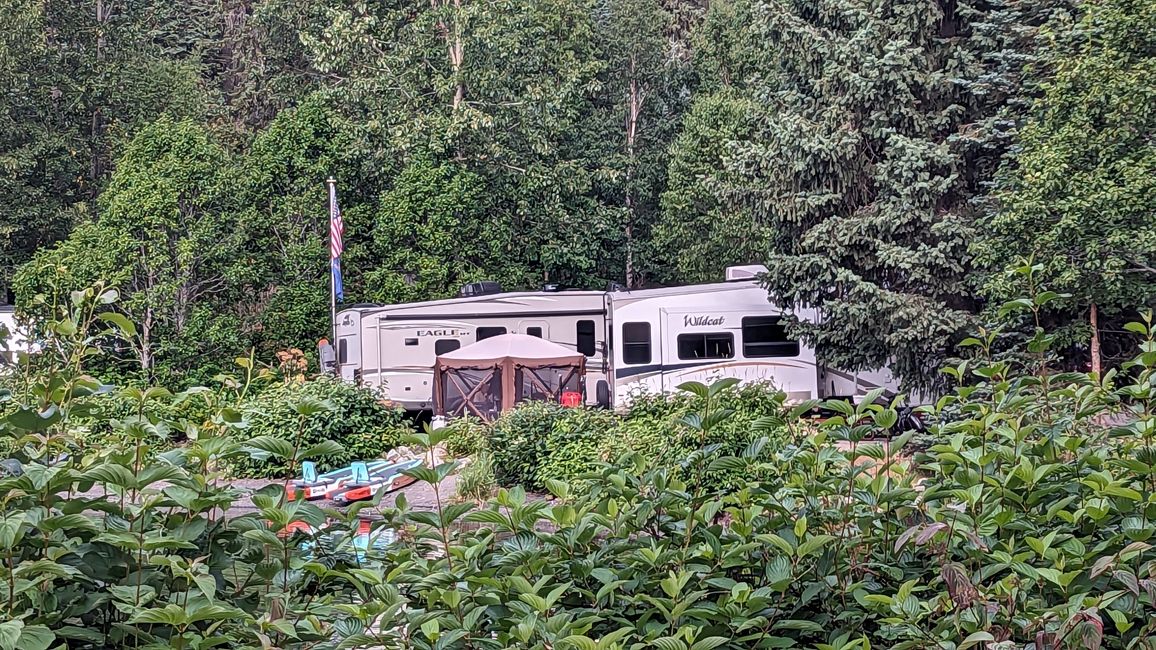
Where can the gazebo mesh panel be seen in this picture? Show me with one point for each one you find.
(545, 383)
(472, 391)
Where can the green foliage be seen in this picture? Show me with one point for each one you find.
(167, 236)
(1080, 197)
(282, 187)
(539, 441)
(697, 231)
(466, 436)
(431, 235)
(79, 79)
(1030, 526)
(112, 544)
(571, 446)
(476, 480)
(302, 415)
(666, 429)
(573, 141)
(848, 168)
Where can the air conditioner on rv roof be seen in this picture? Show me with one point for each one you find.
(748, 272)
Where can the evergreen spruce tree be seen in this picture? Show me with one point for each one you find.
(855, 174)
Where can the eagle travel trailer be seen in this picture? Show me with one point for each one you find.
(393, 348)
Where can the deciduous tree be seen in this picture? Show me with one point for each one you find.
(1081, 197)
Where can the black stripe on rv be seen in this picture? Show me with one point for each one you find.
(623, 373)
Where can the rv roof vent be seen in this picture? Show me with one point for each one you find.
(748, 272)
(483, 288)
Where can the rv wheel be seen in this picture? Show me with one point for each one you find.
(602, 393)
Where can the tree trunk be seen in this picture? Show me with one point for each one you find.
(146, 352)
(1093, 317)
(455, 47)
(96, 163)
(633, 109)
(457, 56)
(145, 281)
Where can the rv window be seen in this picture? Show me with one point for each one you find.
(586, 337)
(764, 336)
(343, 351)
(534, 331)
(635, 343)
(490, 332)
(441, 346)
(411, 341)
(720, 345)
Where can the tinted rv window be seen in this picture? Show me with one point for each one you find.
(534, 331)
(719, 345)
(411, 341)
(342, 351)
(441, 346)
(636, 343)
(764, 336)
(490, 332)
(586, 337)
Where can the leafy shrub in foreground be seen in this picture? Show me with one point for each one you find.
(355, 418)
(466, 436)
(110, 544)
(540, 441)
(1032, 526)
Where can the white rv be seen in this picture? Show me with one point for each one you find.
(649, 340)
(666, 337)
(12, 343)
(393, 348)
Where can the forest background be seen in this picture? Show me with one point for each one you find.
(887, 161)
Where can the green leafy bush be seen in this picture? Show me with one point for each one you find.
(541, 441)
(466, 436)
(667, 428)
(110, 544)
(1031, 527)
(476, 480)
(518, 440)
(571, 449)
(355, 418)
(538, 442)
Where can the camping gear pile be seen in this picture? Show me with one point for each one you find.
(359, 481)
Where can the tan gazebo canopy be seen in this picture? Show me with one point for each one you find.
(494, 374)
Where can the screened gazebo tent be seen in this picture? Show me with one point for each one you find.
(494, 374)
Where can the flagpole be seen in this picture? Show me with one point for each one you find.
(332, 183)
